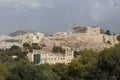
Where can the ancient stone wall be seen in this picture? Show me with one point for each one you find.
(94, 38)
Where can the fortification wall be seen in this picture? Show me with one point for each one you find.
(95, 38)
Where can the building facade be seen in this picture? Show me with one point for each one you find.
(89, 30)
(40, 57)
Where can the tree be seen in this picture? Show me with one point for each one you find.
(35, 46)
(109, 63)
(76, 53)
(108, 32)
(45, 72)
(60, 69)
(14, 47)
(82, 67)
(58, 49)
(3, 71)
(12, 55)
(28, 47)
(118, 38)
(24, 70)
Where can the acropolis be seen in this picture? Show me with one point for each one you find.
(80, 38)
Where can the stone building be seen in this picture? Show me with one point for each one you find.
(84, 29)
(40, 57)
(92, 35)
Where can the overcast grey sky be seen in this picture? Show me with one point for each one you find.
(57, 15)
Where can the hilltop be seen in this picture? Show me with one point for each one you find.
(19, 32)
(81, 37)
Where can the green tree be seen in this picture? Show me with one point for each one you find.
(35, 46)
(76, 53)
(108, 32)
(118, 38)
(109, 63)
(58, 49)
(12, 55)
(24, 70)
(3, 71)
(60, 69)
(14, 47)
(44, 73)
(82, 67)
(28, 47)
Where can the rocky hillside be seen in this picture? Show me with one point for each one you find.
(19, 32)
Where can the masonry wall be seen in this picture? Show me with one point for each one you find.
(94, 38)
(53, 58)
(95, 30)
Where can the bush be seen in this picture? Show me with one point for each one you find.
(57, 49)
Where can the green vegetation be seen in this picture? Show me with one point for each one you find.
(27, 71)
(3, 71)
(108, 32)
(35, 46)
(30, 47)
(58, 49)
(118, 38)
(76, 53)
(89, 65)
(82, 67)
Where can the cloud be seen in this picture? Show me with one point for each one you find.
(103, 10)
(28, 3)
(56, 15)
(114, 2)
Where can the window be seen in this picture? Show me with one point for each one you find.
(37, 58)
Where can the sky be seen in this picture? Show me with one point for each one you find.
(51, 16)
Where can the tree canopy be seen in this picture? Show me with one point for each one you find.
(89, 65)
(3, 71)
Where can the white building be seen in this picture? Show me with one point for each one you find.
(40, 57)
